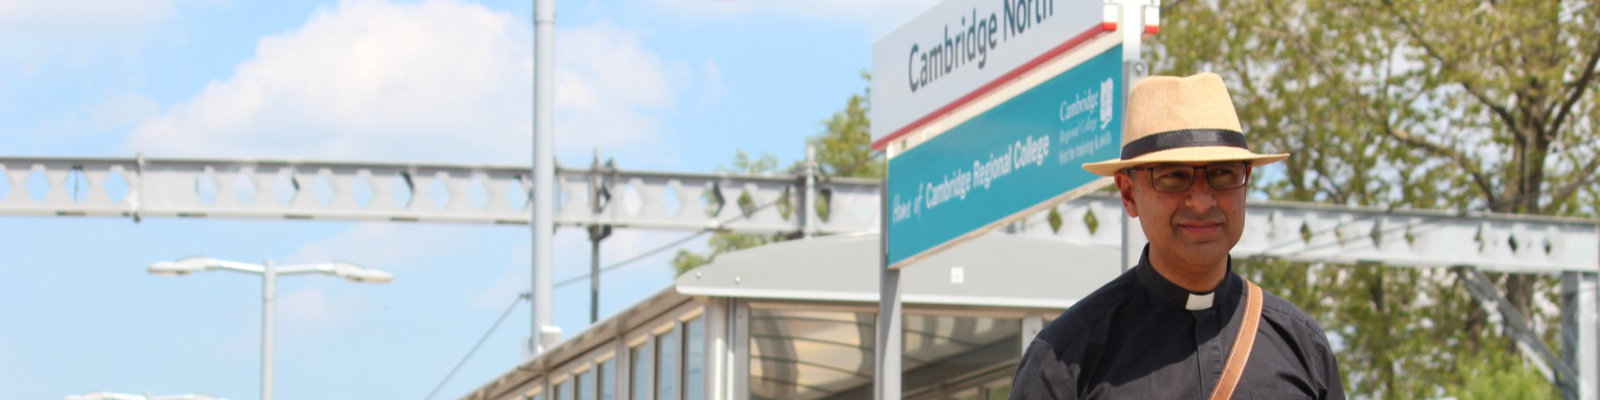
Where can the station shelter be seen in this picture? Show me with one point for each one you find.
(796, 320)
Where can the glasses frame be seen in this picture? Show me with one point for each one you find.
(1199, 170)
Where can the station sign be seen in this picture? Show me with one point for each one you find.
(959, 48)
(1016, 158)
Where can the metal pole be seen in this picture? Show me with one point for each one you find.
(599, 199)
(739, 350)
(269, 294)
(888, 349)
(594, 239)
(807, 223)
(544, 22)
(1578, 338)
(1133, 239)
(594, 276)
(1133, 69)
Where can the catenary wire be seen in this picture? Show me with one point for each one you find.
(475, 347)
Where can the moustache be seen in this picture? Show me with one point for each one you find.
(1212, 216)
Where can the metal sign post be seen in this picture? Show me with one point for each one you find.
(1136, 14)
(543, 334)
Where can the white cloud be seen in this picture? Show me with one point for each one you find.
(439, 81)
(712, 89)
(306, 311)
(113, 112)
(309, 311)
(34, 19)
(43, 36)
(608, 89)
(877, 16)
(121, 110)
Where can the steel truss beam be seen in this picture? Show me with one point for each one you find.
(321, 190)
(1336, 234)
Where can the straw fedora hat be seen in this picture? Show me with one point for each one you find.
(1181, 120)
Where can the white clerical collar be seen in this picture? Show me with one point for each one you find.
(1199, 302)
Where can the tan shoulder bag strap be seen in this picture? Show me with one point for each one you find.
(1241, 344)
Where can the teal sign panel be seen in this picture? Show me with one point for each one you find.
(1017, 155)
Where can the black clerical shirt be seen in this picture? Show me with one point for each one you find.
(1143, 337)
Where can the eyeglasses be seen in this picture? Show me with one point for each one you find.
(1170, 178)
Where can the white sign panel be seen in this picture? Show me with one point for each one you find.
(959, 46)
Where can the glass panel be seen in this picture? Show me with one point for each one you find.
(667, 366)
(536, 397)
(564, 391)
(694, 334)
(969, 394)
(608, 377)
(1000, 390)
(640, 388)
(584, 388)
(803, 354)
(941, 350)
(811, 354)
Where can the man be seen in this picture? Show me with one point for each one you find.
(1170, 327)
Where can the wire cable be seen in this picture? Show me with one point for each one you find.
(492, 328)
(640, 256)
(668, 246)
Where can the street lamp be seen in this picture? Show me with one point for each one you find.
(104, 395)
(269, 290)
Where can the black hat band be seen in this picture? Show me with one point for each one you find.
(1184, 138)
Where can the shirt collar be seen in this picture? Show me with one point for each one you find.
(1173, 295)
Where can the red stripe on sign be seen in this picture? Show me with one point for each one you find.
(994, 84)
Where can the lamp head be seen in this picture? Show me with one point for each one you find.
(180, 267)
(357, 273)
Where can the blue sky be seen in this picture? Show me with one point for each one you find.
(674, 85)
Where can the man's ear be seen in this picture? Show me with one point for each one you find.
(1125, 187)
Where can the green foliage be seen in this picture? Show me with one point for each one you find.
(1455, 105)
(743, 164)
(687, 260)
(1055, 221)
(843, 149)
(723, 242)
(1482, 106)
(1399, 333)
(1499, 376)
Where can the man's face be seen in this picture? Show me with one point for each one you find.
(1194, 227)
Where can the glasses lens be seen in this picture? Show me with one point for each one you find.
(1226, 176)
(1171, 178)
(1178, 178)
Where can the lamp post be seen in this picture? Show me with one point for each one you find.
(269, 272)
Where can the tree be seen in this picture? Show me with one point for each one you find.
(843, 148)
(1499, 376)
(723, 242)
(1472, 106)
